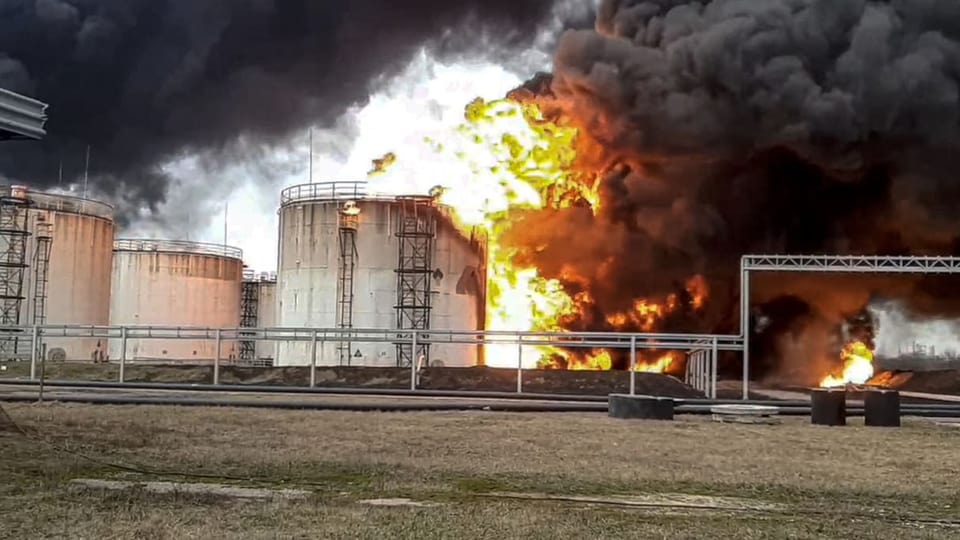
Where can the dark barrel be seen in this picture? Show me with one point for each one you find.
(828, 407)
(640, 407)
(881, 408)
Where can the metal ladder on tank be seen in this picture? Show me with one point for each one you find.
(41, 275)
(349, 222)
(415, 235)
(13, 266)
(249, 310)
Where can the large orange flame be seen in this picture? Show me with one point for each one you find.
(857, 366)
(521, 161)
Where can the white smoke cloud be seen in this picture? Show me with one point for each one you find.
(897, 333)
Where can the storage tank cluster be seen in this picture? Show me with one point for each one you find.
(346, 259)
(63, 265)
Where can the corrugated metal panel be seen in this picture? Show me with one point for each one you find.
(21, 117)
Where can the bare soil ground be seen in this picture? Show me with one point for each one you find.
(478, 378)
(466, 475)
(935, 382)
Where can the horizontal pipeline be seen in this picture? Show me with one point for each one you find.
(493, 406)
(466, 394)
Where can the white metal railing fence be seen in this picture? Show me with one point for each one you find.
(701, 371)
(701, 348)
(324, 191)
(177, 246)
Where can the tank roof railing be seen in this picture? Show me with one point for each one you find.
(253, 276)
(59, 202)
(178, 246)
(336, 191)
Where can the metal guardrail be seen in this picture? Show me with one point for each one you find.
(337, 191)
(70, 204)
(259, 277)
(324, 191)
(609, 340)
(59, 202)
(702, 347)
(177, 246)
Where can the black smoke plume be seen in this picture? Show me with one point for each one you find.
(784, 126)
(144, 81)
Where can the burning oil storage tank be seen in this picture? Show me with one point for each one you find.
(353, 259)
(58, 251)
(175, 283)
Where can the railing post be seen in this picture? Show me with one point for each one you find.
(413, 361)
(705, 372)
(745, 325)
(43, 373)
(699, 373)
(633, 365)
(519, 364)
(123, 352)
(216, 361)
(313, 359)
(713, 370)
(34, 346)
(323, 341)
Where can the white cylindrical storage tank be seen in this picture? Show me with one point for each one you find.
(334, 238)
(267, 318)
(175, 283)
(69, 255)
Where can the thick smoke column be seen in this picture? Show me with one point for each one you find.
(730, 127)
(146, 81)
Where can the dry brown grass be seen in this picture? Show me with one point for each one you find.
(869, 482)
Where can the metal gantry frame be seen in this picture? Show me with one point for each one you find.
(416, 231)
(827, 264)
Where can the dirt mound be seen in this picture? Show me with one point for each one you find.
(435, 378)
(477, 378)
(932, 382)
(555, 381)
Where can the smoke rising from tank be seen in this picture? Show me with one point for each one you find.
(731, 127)
(144, 82)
